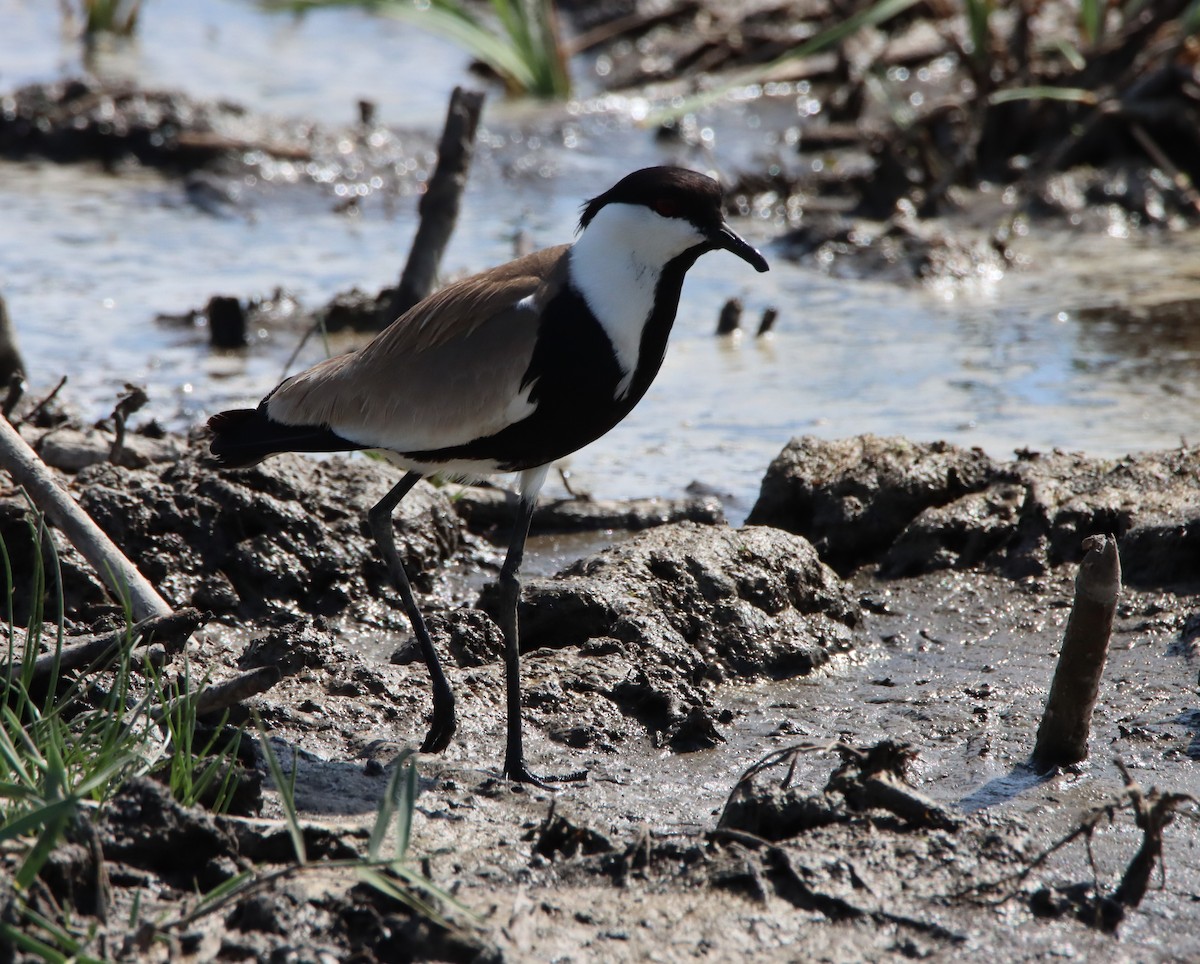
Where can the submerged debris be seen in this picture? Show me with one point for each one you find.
(871, 778)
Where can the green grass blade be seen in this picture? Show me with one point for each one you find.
(9, 620)
(1190, 21)
(1075, 94)
(390, 804)
(407, 874)
(1091, 19)
(287, 791)
(1070, 54)
(390, 887)
(31, 945)
(872, 16)
(475, 38)
(53, 820)
(524, 49)
(979, 15)
(14, 791)
(222, 891)
(406, 807)
(55, 812)
(11, 756)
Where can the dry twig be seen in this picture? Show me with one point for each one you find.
(118, 573)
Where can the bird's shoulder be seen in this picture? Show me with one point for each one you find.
(453, 312)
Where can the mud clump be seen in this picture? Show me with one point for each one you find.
(664, 616)
(854, 497)
(871, 778)
(488, 510)
(1039, 510)
(472, 638)
(289, 533)
(80, 119)
(720, 601)
(909, 508)
(145, 828)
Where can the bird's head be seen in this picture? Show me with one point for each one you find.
(660, 213)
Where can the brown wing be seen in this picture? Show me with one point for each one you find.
(446, 372)
(453, 312)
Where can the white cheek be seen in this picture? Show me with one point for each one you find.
(616, 265)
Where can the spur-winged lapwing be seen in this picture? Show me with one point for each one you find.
(504, 371)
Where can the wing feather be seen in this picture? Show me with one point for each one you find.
(446, 372)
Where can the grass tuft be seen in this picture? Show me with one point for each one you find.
(119, 17)
(521, 42)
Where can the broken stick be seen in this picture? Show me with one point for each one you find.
(440, 203)
(118, 573)
(221, 696)
(173, 629)
(1062, 738)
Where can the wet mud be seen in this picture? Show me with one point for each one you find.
(805, 738)
(891, 811)
(915, 508)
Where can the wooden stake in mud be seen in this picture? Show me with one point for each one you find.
(10, 358)
(118, 573)
(1063, 735)
(730, 319)
(439, 204)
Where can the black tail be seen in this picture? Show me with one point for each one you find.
(245, 436)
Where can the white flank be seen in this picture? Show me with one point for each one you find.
(520, 408)
(530, 482)
(471, 471)
(468, 471)
(616, 264)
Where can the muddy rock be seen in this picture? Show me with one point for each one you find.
(83, 589)
(562, 836)
(1037, 514)
(72, 450)
(144, 828)
(376, 928)
(82, 119)
(961, 534)
(661, 619)
(853, 497)
(472, 638)
(911, 508)
(290, 532)
(291, 646)
(489, 509)
(74, 874)
(745, 602)
(900, 249)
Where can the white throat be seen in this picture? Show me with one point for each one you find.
(616, 264)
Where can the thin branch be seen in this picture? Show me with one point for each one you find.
(224, 695)
(118, 573)
(173, 629)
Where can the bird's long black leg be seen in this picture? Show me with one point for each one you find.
(510, 596)
(444, 722)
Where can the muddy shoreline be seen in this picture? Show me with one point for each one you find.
(667, 664)
(883, 630)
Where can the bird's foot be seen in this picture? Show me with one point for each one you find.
(519, 773)
(441, 732)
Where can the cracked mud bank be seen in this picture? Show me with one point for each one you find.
(667, 663)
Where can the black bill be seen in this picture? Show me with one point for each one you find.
(728, 239)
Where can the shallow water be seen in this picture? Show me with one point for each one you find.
(89, 260)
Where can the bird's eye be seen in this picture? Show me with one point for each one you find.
(666, 208)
